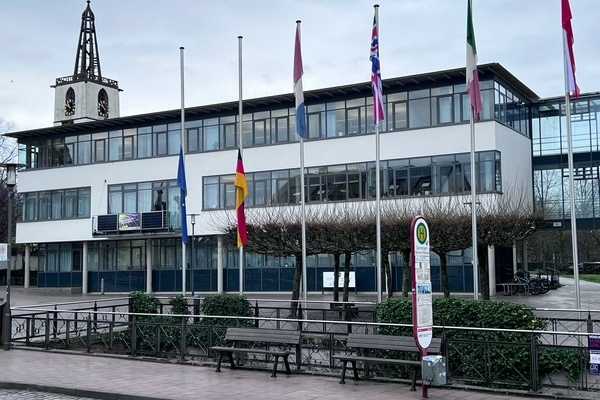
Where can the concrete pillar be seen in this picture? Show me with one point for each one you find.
(492, 269)
(149, 266)
(85, 270)
(27, 265)
(524, 255)
(220, 264)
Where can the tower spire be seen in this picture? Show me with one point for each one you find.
(87, 62)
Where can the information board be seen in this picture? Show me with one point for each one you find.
(421, 283)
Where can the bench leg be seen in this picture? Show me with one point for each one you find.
(413, 387)
(274, 373)
(288, 371)
(231, 362)
(343, 376)
(356, 378)
(219, 363)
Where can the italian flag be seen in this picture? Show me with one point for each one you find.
(472, 76)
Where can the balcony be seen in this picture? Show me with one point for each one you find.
(131, 223)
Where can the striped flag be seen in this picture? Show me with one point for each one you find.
(568, 40)
(472, 75)
(241, 191)
(182, 195)
(298, 91)
(376, 75)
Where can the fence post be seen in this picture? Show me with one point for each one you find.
(47, 335)
(300, 316)
(88, 338)
(55, 323)
(196, 309)
(133, 334)
(590, 324)
(256, 313)
(183, 339)
(534, 364)
(95, 316)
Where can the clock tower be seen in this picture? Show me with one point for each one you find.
(86, 95)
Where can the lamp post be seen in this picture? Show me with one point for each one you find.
(11, 181)
(193, 221)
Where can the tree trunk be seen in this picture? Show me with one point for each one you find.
(296, 286)
(484, 273)
(347, 258)
(406, 273)
(444, 273)
(336, 274)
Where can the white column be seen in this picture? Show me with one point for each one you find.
(492, 269)
(85, 269)
(220, 264)
(149, 266)
(27, 265)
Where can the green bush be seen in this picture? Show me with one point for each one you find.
(508, 353)
(223, 305)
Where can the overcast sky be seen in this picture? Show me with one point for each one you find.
(139, 44)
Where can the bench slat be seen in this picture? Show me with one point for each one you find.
(389, 342)
(263, 335)
(376, 360)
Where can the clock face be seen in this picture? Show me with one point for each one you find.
(103, 108)
(69, 107)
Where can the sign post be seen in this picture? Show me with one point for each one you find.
(422, 303)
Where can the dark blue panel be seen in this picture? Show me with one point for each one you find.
(122, 281)
(138, 281)
(178, 282)
(64, 279)
(286, 282)
(42, 279)
(457, 279)
(93, 282)
(76, 278)
(270, 279)
(203, 279)
(52, 279)
(436, 284)
(232, 281)
(252, 279)
(311, 281)
(166, 280)
(109, 280)
(365, 279)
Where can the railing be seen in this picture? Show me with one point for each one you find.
(546, 362)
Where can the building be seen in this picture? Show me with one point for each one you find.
(101, 202)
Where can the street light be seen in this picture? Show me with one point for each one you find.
(11, 181)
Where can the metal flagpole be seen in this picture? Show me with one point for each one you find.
(183, 147)
(378, 184)
(474, 210)
(241, 147)
(570, 85)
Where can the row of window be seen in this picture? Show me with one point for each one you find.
(405, 110)
(126, 255)
(439, 175)
(550, 128)
(57, 204)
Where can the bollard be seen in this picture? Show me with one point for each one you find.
(102, 286)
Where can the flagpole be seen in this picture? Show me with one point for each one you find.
(475, 99)
(183, 147)
(569, 78)
(378, 187)
(241, 147)
(301, 131)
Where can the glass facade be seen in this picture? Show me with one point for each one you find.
(424, 176)
(412, 109)
(551, 172)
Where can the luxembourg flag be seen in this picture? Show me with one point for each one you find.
(298, 91)
(568, 40)
(472, 75)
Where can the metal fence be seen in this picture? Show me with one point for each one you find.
(548, 362)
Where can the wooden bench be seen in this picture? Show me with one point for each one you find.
(244, 339)
(361, 345)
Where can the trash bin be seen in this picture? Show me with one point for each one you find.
(433, 370)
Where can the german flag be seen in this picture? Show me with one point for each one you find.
(241, 191)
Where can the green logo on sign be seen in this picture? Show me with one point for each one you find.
(421, 233)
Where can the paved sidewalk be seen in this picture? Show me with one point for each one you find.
(131, 379)
(127, 378)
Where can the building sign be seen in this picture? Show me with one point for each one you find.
(129, 221)
(328, 280)
(594, 349)
(421, 284)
